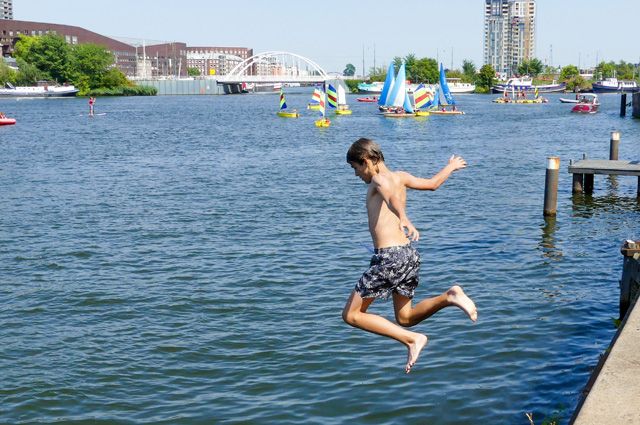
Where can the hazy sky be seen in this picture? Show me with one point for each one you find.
(334, 33)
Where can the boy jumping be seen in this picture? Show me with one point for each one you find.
(395, 264)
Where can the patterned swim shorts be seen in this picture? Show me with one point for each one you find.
(393, 269)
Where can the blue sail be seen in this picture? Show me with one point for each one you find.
(399, 91)
(388, 83)
(433, 104)
(447, 99)
(407, 104)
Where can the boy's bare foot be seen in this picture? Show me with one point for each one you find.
(414, 351)
(457, 297)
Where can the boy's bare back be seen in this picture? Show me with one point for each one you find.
(384, 224)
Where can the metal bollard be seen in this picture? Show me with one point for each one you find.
(623, 105)
(551, 186)
(613, 145)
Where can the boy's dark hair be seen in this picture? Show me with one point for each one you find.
(363, 149)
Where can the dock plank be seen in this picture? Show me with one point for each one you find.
(605, 166)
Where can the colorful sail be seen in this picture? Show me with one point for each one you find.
(315, 98)
(321, 101)
(283, 103)
(536, 93)
(422, 96)
(332, 96)
(445, 98)
(388, 85)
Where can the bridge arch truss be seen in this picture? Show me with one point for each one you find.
(276, 67)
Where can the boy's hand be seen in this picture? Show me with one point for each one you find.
(411, 232)
(457, 162)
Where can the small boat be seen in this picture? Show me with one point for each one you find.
(443, 98)
(367, 99)
(613, 85)
(458, 87)
(283, 108)
(7, 121)
(324, 121)
(565, 100)
(526, 84)
(588, 104)
(398, 104)
(521, 98)
(421, 98)
(314, 105)
(338, 99)
(371, 88)
(42, 90)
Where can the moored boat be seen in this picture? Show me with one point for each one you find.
(458, 87)
(613, 85)
(44, 90)
(371, 88)
(526, 84)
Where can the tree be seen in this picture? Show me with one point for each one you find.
(410, 65)
(193, 72)
(426, 71)
(568, 72)
(349, 70)
(469, 71)
(49, 53)
(378, 74)
(7, 75)
(531, 67)
(606, 70)
(92, 61)
(485, 77)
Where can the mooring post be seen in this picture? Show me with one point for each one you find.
(613, 145)
(623, 105)
(551, 186)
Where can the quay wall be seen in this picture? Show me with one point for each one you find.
(184, 87)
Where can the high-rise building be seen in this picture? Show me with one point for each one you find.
(6, 9)
(509, 33)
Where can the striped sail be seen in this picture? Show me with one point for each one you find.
(445, 98)
(422, 97)
(315, 98)
(283, 103)
(332, 96)
(387, 87)
(320, 101)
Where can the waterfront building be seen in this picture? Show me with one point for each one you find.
(509, 33)
(168, 59)
(6, 9)
(212, 61)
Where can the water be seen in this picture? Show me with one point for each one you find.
(186, 260)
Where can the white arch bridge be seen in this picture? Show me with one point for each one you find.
(275, 67)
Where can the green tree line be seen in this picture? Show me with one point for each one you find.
(426, 70)
(89, 67)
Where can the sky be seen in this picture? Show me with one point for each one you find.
(334, 33)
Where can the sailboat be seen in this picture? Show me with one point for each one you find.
(315, 99)
(422, 96)
(283, 108)
(343, 108)
(398, 103)
(386, 88)
(324, 121)
(443, 98)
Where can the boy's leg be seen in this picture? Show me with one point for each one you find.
(406, 315)
(355, 314)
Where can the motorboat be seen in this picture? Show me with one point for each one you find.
(371, 88)
(456, 86)
(565, 100)
(613, 85)
(588, 104)
(525, 84)
(367, 99)
(7, 121)
(44, 90)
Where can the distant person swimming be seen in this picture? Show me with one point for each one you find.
(395, 264)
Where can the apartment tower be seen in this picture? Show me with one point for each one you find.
(6, 9)
(509, 33)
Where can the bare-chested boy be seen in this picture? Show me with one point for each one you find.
(395, 264)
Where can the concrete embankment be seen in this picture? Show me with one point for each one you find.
(613, 392)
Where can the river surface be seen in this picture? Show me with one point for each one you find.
(185, 260)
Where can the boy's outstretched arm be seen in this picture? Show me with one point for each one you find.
(419, 183)
(396, 206)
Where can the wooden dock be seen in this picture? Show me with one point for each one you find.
(584, 170)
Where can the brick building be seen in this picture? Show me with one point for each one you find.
(216, 60)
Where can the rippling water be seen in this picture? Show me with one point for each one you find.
(186, 260)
